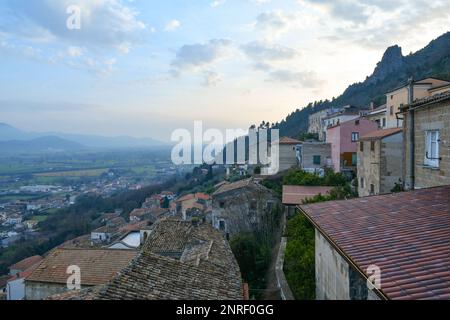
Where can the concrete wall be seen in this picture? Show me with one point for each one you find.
(42, 290)
(311, 149)
(381, 167)
(335, 279)
(332, 278)
(333, 138)
(391, 165)
(368, 168)
(15, 290)
(316, 123)
(288, 157)
(436, 117)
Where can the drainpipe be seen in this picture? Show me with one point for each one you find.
(411, 134)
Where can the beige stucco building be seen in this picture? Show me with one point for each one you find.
(400, 96)
(380, 162)
(288, 153)
(378, 115)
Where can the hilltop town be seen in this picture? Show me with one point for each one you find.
(381, 171)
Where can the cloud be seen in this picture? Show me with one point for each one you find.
(274, 23)
(195, 56)
(265, 51)
(108, 27)
(217, 3)
(260, 1)
(350, 10)
(172, 25)
(211, 79)
(274, 61)
(306, 79)
(104, 23)
(390, 22)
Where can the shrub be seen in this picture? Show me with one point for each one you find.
(299, 264)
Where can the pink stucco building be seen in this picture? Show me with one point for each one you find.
(344, 141)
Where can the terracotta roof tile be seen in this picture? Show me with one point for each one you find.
(239, 185)
(406, 234)
(26, 263)
(206, 270)
(294, 195)
(380, 134)
(287, 140)
(98, 266)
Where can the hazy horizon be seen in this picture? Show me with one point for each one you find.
(144, 68)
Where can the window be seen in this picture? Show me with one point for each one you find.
(392, 110)
(354, 159)
(372, 145)
(317, 160)
(222, 204)
(384, 122)
(372, 189)
(361, 146)
(432, 148)
(362, 183)
(392, 97)
(270, 206)
(253, 205)
(355, 136)
(222, 225)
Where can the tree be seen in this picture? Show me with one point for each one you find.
(299, 265)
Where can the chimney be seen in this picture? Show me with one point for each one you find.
(372, 106)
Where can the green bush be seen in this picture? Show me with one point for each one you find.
(302, 178)
(299, 263)
(253, 257)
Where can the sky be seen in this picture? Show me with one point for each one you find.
(144, 68)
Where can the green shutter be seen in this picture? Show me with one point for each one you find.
(317, 160)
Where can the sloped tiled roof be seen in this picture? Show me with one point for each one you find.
(287, 140)
(235, 186)
(88, 294)
(407, 235)
(294, 195)
(98, 266)
(206, 271)
(169, 236)
(433, 99)
(198, 196)
(380, 134)
(4, 280)
(26, 263)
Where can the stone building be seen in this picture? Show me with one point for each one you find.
(426, 128)
(97, 267)
(314, 156)
(188, 203)
(316, 123)
(179, 261)
(380, 162)
(243, 206)
(288, 154)
(371, 252)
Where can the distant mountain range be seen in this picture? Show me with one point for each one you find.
(392, 71)
(13, 140)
